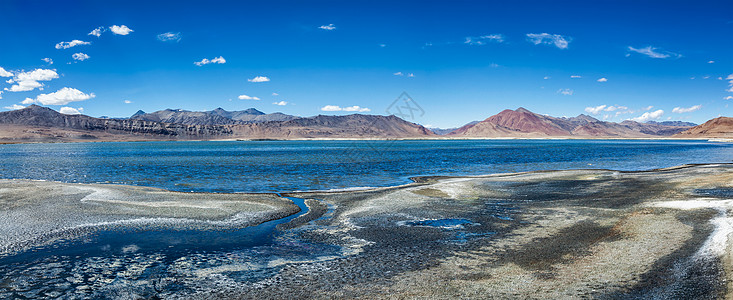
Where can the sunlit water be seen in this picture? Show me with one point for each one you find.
(276, 166)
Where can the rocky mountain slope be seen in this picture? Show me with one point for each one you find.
(524, 123)
(36, 123)
(218, 116)
(721, 127)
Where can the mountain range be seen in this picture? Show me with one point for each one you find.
(42, 124)
(218, 116)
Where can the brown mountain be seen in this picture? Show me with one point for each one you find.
(36, 123)
(721, 127)
(526, 124)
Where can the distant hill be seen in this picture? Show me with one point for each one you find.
(441, 131)
(218, 116)
(721, 127)
(36, 123)
(524, 123)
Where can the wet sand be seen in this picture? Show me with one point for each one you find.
(661, 234)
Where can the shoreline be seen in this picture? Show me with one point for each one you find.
(545, 233)
(708, 139)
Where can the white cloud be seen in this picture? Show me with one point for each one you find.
(728, 98)
(127, 101)
(595, 110)
(170, 37)
(97, 31)
(28, 81)
(730, 83)
(355, 108)
(576, 76)
(566, 92)
(275, 94)
(4, 73)
(120, 30)
(331, 108)
(647, 108)
(398, 74)
(601, 108)
(215, 60)
(648, 116)
(481, 40)
(71, 111)
(80, 56)
(281, 103)
(259, 79)
(61, 97)
(15, 106)
(410, 75)
(74, 43)
(549, 39)
(245, 97)
(1, 94)
(654, 52)
(711, 62)
(546, 77)
(602, 79)
(681, 110)
(328, 27)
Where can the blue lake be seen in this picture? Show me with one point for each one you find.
(276, 166)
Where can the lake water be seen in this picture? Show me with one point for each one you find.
(277, 166)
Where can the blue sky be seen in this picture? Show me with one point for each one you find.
(460, 60)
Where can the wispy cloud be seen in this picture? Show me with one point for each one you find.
(328, 27)
(259, 79)
(602, 79)
(557, 40)
(80, 56)
(120, 30)
(28, 81)
(206, 61)
(681, 110)
(48, 60)
(482, 40)
(575, 76)
(711, 61)
(648, 116)
(730, 83)
(245, 97)
(63, 96)
(566, 92)
(170, 37)
(280, 103)
(127, 101)
(15, 107)
(397, 74)
(654, 52)
(354, 108)
(74, 43)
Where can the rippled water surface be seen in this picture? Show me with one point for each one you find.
(271, 166)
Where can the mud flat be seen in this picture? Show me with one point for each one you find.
(660, 234)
